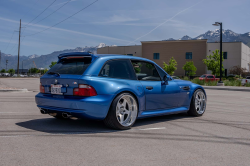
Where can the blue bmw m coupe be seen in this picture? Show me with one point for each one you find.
(115, 88)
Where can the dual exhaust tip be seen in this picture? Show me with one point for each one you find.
(64, 114)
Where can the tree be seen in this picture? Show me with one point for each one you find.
(170, 67)
(34, 70)
(189, 68)
(52, 64)
(213, 62)
(11, 71)
(237, 70)
(44, 71)
(3, 71)
(137, 67)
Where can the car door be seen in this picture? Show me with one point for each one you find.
(157, 96)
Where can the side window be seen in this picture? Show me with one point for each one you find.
(145, 71)
(161, 72)
(118, 69)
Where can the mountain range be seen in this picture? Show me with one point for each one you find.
(43, 61)
(214, 36)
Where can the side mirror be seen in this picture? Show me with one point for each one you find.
(166, 78)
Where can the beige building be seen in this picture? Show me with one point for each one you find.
(123, 50)
(235, 53)
(181, 50)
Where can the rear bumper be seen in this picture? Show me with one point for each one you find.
(95, 107)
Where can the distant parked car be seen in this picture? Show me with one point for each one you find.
(175, 77)
(15, 75)
(244, 81)
(6, 74)
(208, 77)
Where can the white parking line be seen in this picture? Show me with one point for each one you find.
(158, 128)
(14, 112)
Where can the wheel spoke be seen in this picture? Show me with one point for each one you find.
(121, 118)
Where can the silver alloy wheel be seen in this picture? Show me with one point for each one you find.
(126, 110)
(200, 102)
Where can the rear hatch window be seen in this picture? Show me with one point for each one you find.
(73, 66)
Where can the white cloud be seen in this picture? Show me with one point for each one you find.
(66, 30)
(117, 19)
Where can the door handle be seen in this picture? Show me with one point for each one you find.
(185, 87)
(149, 87)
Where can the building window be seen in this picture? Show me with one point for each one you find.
(130, 54)
(189, 55)
(225, 55)
(156, 55)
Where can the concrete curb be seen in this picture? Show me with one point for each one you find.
(230, 88)
(14, 90)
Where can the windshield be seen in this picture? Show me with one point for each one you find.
(203, 76)
(74, 66)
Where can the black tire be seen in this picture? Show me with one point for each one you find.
(111, 119)
(192, 110)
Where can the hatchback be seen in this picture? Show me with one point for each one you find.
(117, 89)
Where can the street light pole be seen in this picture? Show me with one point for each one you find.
(6, 64)
(220, 52)
(220, 24)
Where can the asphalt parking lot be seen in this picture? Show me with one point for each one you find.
(220, 137)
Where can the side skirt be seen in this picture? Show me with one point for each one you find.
(151, 113)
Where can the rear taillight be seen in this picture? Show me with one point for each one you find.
(246, 81)
(84, 90)
(42, 88)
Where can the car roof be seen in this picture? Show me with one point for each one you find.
(117, 56)
(105, 56)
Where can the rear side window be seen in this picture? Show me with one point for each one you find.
(121, 69)
(74, 66)
(145, 71)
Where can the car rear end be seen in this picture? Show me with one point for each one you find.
(65, 90)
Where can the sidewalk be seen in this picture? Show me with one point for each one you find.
(231, 88)
(4, 88)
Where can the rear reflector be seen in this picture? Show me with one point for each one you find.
(42, 90)
(84, 90)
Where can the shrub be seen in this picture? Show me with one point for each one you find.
(247, 84)
(210, 83)
(224, 78)
(232, 83)
(198, 81)
(231, 78)
(185, 78)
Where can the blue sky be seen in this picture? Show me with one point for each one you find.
(114, 22)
